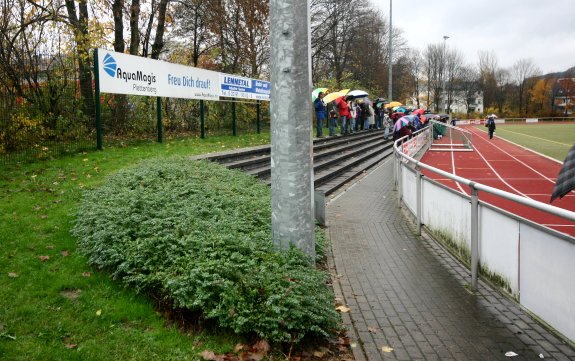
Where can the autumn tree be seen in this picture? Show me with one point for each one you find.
(541, 95)
(193, 33)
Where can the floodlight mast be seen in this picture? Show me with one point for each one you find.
(291, 146)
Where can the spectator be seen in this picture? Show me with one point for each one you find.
(344, 114)
(320, 113)
(332, 124)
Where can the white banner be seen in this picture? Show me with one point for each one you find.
(128, 74)
(532, 120)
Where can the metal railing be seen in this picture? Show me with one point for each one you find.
(474, 188)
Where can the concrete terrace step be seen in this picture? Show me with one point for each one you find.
(337, 160)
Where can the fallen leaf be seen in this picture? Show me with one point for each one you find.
(343, 341)
(372, 329)
(98, 313)
(319, 354)
(353, 345)
(50, 247)
(343, 309)
(65, 253)
(238, 348)
(86, 274)
(13, 274)
(511, 354)
(210, 355)
(262, 346)
(386, 349)
(71, 345)
(44, 258)
(44, 216)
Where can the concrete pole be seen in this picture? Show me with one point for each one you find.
(291, 145)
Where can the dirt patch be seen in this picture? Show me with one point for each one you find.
(72, 295)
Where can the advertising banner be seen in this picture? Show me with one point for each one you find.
(134, 75)
(245, 88)
(128, 74)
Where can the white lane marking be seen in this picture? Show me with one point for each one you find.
(532, 136)
(497, 174)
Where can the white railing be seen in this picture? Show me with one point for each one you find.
(534, 262)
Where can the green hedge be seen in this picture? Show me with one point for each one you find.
(199, 235)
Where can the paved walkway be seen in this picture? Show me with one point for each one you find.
(405, 292)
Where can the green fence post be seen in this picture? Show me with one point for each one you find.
(97, 102)
(202, 120)
(159, 114)
(234, 126)
(258, 117)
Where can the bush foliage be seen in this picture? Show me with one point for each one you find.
(199, 235)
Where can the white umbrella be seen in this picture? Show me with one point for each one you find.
(357, 94)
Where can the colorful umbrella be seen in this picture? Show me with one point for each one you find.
(316, 92)
(344, 91)
(357, 94)
(333, 96)
(401, 122)
(393, 104)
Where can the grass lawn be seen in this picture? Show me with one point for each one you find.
(553, 140)
(53, 306)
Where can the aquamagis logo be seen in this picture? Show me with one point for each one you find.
(110, 65)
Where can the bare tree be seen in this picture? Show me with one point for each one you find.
(416, 70)
(435, 69)
(502, 80)
(522, 73)
(453, 68)
(487, 69)
(468, 84)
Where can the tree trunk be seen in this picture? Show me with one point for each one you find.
(134, 31)
(120, 106)
(159, 40)
(79, 23)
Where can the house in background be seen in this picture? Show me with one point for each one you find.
(564, 96)
(461, 102)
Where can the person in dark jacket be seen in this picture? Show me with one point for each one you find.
(490, 124)
(320, 113)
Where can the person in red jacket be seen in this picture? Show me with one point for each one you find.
(344, 114)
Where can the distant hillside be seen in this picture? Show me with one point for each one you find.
(569, 73)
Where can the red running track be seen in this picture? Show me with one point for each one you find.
(503, 165)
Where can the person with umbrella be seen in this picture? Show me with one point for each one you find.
(490, 124)
(320, 113)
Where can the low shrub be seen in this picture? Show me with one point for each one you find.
(199, 235)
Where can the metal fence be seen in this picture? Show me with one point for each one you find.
(29, 131)
(506, 246)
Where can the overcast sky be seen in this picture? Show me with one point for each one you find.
(543, 30)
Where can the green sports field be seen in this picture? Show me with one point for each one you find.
(553, 140)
